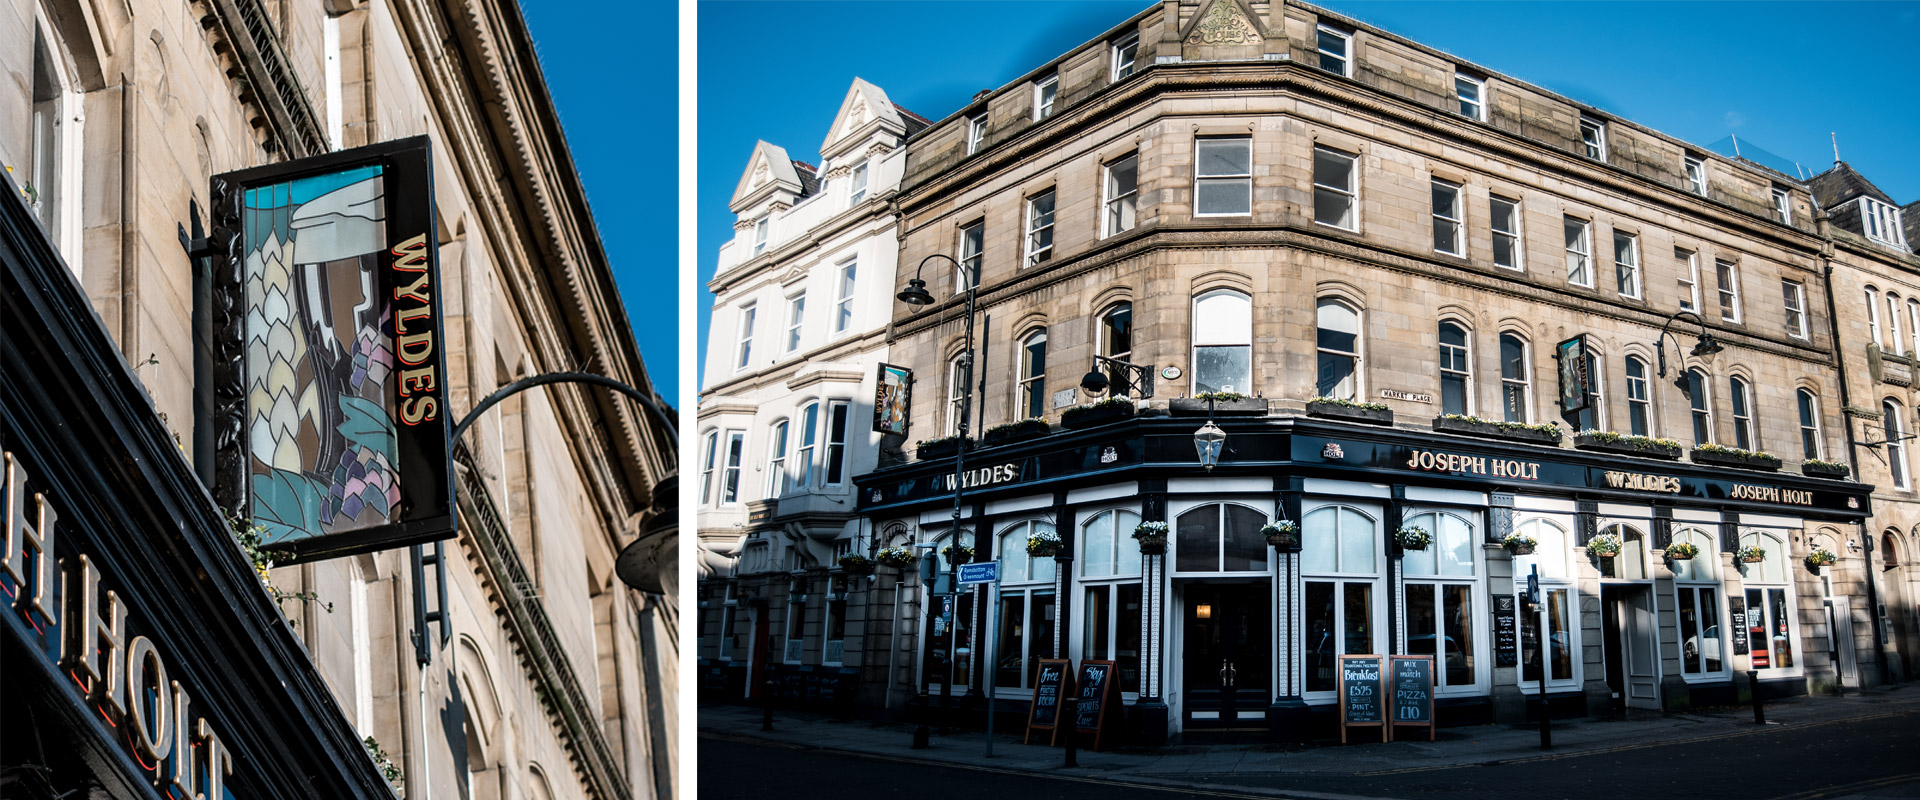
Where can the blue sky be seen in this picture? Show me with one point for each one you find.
(614, 91)
(1778, 75)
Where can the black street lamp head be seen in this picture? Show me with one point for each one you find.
(916, 293)
(1707, 345)
(1095, 382)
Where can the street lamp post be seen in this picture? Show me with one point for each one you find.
(1707, 345)
(916, 294)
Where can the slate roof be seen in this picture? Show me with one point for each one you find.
(809, 177)
(1843, 183)
(915, 122)
(1910, 222)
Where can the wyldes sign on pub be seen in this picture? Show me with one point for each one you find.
(338, 438)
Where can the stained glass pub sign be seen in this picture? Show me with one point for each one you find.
(335, 423)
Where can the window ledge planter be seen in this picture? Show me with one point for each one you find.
(1739, 459)
(938, 449)
(1100, 413)
(1626, 446)
(1367, 414)
(1821, 469)
(1472, 426)
(1024, 430)
(1197, 407)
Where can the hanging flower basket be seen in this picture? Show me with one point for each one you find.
(856, 564)
(1752, 555)
(1152, 537)
(1043, 544)
(1821, 557)
(1682, 551)
(1283, 536)
(1606, 545)
(1412, 537)
(957, 555)
(896, 557)
(1519, 544)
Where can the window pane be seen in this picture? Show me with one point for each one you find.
(1223, 318)
(1336, 376)
(1096, 547)
(1039, 633)
(1320, 643)
(1777, 622)
(1455, 542)
(1196, 545)
(1710, 645)
(1422, 562)
(1246, 549)
(1422, 621)
(1117, 331)
(1128, 560)
(1319, 541)
(1357, 617)
(1126, 636)
(1223, 369)
(1339, 326)
(1690, 643)
(1357, 542)
(1224, 157)
(1333, 170)
(1013, 617)
(1456, 618)
(1094, 615)
(1222, 196)
(1560, 642)
(1332, 208)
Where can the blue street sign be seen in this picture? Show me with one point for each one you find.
(983, 572)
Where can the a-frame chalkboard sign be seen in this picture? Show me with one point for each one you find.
(1097, 692)
(1363, 703)
(1044, 715)
(1410, 682)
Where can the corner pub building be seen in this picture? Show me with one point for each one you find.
(1424, 295)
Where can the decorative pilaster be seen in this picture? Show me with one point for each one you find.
(1287, 716)
(1151, 710)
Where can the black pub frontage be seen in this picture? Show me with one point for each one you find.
(141, 657)
(1315, 537)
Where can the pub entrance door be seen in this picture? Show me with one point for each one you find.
(1227, 666)
(1632, 645)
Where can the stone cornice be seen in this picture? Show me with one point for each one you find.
(804, 380)
(779, 373)
(876, 209)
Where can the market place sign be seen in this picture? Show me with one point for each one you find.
(60, 605)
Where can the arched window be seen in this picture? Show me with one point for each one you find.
(1222, 342)
(1742, 398)
(1339, 346)
(1639, 399)
(1222, 537)
(1456, 373)
(957, 374)
(1894, 342)
(1772, 627)
(777, 479)
(1033, 374)
(1593, 416)
(1339, 562)
(1809, 423)
(1516, 381)
(1631, 563)
(1895, 429)
(1701, 407)
(1026, 606)
(1554, 614)
(1889, 551)
(951, 625)
(1116, 331)
(1913, 321)
(1439, 594)
(1697, 604)
(1110, 608)
(1873, 316)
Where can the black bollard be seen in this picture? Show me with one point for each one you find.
(1753, 688)
(766, 707)
(1069, 711)
(921, 734)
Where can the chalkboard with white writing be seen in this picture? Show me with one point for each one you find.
(1094, 687)
(1362, 699)
(1045, 712)
(1506, 638)
(1411, 679)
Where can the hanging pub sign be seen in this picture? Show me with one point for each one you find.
(1574, 382)
(892, 400)
(335, 431)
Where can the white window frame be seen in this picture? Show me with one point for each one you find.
(1740, 394)
(1478, 104)
(1782, 206)
(68, 147)
(743, 345)
(1030, 386)
(1124, 547)
(1549, 583)
(1579, 252)
(1689, 279)
(956, 393)
(1873, 317)
(712, 445)
(1454, 217)
(1626, 274)
(796, 319)
(1357, 355)
(1728, 284)
(1793, 297)
(1039, 225)
(1524, 383)
(1639, 395)
(1104, 330)
(1200, 178)
(1696, 172)
(1776, 547)
(857, 183)
(1126, 53)
(1913, 322)
(1351, 192)
(1339, 577)
(1593, 138)
(1478, 628)
(1809, 422)
(794, 646)
(1345, 55)
(1465, 372)
(1709, 555)
(1881, 222)
(1894, 344)
(1045, 92)
(846, 277)
(760, 228)
(808, 423)
(843, 409)
(976, 133)
(1122, 208)
(1019, 580)
(1894, 428)
(778, 481)
(1239, 338)
(973, 244)
(730, 466)
(1699, 409)
(1517, 249)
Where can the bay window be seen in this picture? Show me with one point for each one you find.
(1223, 177)
(1334, 188)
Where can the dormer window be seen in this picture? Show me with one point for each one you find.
(1881, 222)
(1593, 138)
(1043, 94)
(1336, 49)
(760, 235)
(1696, 176)
(1125, 52)
(1782, 207)
(1472, 94)
(976, 133)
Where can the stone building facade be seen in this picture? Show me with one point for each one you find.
(801, 303)
(1420, 294)
(545, 676)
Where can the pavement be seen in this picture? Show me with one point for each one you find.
(1260, 768)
